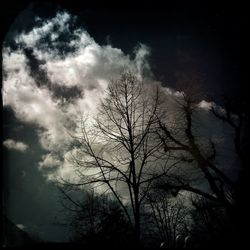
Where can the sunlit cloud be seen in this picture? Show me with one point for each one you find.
(70, 76)
(74, 80)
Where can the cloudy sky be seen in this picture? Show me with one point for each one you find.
(57, 62)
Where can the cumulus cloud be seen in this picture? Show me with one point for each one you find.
(21, 226)
(75, 72)
(32, 38)
(205, 105)
(57, 72)
(15, 145)
(49, 161)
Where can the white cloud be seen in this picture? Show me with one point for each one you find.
(21, 226)
(16, 145)
(33, 37)
(87, 66)
(50, 161)
(205, 105)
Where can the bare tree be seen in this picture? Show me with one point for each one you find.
(120, 152)
(210, 222)
(236, 116)
(94, 219)
(170, 216)
(182, 139)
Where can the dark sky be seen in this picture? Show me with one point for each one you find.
(198, 37)
(204, 37)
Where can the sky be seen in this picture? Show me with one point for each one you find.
(57, 61)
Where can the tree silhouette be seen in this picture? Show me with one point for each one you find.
(187, 145)
(119, 152)
(170, 216)
(144, 139)
(220, 206)
(97, 220)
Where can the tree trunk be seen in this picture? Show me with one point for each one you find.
(137, 228)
